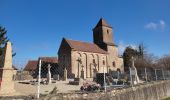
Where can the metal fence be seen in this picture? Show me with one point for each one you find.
(46, 77)
(154, 74)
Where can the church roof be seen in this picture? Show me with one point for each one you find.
(102, 22)
(85, 46)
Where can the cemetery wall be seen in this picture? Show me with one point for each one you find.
(150, 91)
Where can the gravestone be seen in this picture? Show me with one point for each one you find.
(56, 77)
(100, 78)
(6, 71)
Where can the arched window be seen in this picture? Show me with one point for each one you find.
(107, 31)
(103, 62)
(93, 60)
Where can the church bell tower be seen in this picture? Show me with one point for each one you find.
(103, 34)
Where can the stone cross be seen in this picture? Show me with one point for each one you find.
(49, 74)
(6, 71)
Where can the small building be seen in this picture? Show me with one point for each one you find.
(32, 66)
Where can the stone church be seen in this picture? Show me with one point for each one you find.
(84, 59)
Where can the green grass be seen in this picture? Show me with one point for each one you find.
(167, 98)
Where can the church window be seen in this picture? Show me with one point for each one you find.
(107, 31)
(93, 60)
(113, 63)
(103, 62)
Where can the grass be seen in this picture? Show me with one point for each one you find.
(167, 98)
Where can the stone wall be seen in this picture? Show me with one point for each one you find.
(87, 63)
(114, 61)
(150, 91)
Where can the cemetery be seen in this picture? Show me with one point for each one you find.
(82, 72)
(114, 82)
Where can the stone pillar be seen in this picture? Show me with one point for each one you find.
(49, 74)
(65, 74)
(6, 71)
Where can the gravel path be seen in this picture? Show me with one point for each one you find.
(28, 89)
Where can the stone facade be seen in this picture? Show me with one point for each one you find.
(89, 62)
(84, 60)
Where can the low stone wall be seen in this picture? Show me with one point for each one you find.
(150, 91)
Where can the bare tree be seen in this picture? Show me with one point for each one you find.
(164, 62)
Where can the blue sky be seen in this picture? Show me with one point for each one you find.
(36, 27)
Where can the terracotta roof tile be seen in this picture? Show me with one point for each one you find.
(49, 59)
(85, 46)
(31, 65)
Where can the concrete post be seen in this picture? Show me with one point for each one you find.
(146, 76)
(39, 79)
(155, 75)
(168, 74)
(49, 74)
(163, 74)
(131, 77)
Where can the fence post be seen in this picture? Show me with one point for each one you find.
(146, 76)
(131, 77)
(163, 74)
(168, 74)
(39, 79)
(155, 75)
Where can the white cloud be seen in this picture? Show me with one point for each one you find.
(155, 26)
(162, 24)
(151, 25)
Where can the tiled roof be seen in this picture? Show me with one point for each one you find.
(85, 46)
(102, 22)
(49, 59)
(31, 65)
